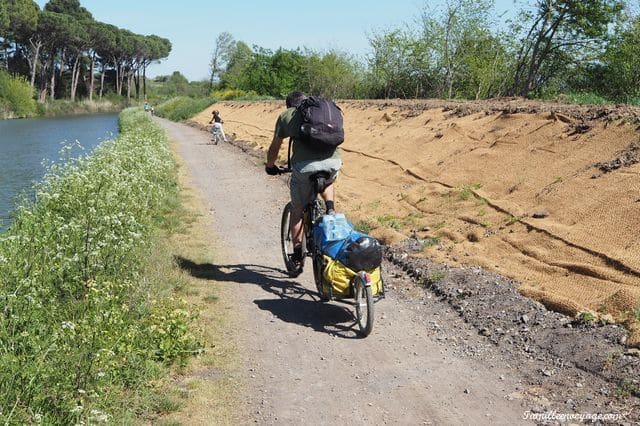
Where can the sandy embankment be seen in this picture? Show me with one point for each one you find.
(470, 183)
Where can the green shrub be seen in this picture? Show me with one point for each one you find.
(61, 107)
(16, 95)
(81, 327)
(239, 94)
(182, 107)
(587, 98)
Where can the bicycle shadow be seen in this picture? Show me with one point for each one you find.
(295, 303)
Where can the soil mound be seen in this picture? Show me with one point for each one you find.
(544, 193)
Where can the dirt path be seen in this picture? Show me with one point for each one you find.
(303, 361)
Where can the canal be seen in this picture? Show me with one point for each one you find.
(27, 145)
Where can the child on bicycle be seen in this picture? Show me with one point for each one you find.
(216, 129)
(305, 161)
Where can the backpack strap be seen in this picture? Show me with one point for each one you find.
(289, 154)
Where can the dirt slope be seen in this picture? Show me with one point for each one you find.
(546, 194)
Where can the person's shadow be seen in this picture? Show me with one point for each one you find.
(295, 303)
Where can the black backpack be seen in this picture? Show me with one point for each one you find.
(321, 127)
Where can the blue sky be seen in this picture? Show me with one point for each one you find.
(193, 25)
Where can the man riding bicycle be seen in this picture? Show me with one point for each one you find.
(304, 163)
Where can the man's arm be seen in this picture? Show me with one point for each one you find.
(274, 148)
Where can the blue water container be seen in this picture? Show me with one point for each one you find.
(331, 233)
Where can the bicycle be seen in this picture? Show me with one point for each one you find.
(360, 285)
(215, 134)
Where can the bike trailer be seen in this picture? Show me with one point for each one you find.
(340, 277)
(346, 252)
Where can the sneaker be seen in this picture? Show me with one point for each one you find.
(295, 266)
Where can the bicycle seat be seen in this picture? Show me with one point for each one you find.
(320, 181)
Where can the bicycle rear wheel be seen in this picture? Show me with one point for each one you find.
(286, 242)
(364, 303)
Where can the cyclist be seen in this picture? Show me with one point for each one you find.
(216, 129)
(304, 162)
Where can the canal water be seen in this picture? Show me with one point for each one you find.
(27, 144)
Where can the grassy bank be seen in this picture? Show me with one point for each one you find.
(62, 107)
(183, 107)
(87, 326)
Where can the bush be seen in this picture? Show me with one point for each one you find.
(238, 94)
(182, 107)
(80, 325)
(16, 95)
(587, 98)
(60, 107)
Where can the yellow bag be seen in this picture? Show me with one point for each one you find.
(340, 276)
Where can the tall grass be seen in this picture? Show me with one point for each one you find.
(80, 325)
(60, 107)
(182, 107)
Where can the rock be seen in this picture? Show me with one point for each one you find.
(467, 391)
(633, 352)
(607, 319)
(524, 319)
(539, 215)
(548, 373)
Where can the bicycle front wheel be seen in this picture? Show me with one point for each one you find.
(364, 303)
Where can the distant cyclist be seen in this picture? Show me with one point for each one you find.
(305, 161)
(216, 129)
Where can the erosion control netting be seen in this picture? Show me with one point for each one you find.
(517, 187)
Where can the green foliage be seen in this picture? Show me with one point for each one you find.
(17, 96)
(556, 34)
(60, 107)
(182, 108)
(586, 98)
(400, 66)
(238, 94)
(333, 74)
(436, 276)
(513, 219)
(468, 191)
(81, 326)
(627, 388)
(363, 226)
(586, 317)
(620, 77)
(389, 221)
(430, 242)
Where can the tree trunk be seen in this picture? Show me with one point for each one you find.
(77, 80)
(34, 61)
(91, 79)
(144, 81)
(52, 84)
(102, 82)
(136, 82)
(74, 79)
(129, 85)
(42, 91)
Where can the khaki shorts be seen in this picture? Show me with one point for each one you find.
(301, 187)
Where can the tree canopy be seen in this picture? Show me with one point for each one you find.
(460, 49)
(62, 48)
